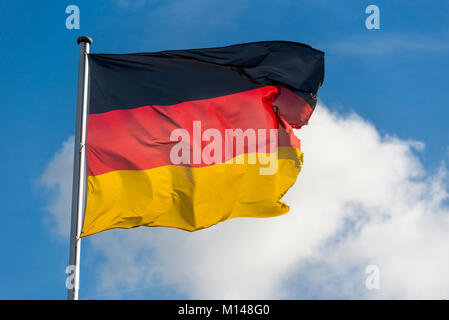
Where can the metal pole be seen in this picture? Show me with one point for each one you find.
(79, 168)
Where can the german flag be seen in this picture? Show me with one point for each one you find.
(190, 138)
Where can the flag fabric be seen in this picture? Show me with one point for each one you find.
(190, 138)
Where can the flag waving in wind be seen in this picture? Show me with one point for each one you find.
(190, 138)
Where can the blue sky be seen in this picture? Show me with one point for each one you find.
(394, 78)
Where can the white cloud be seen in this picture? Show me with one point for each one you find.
(384, 43)
(57, 178)
(361, 199)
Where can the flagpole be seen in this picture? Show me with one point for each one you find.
(79, 168)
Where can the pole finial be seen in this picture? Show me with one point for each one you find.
(84, 39)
